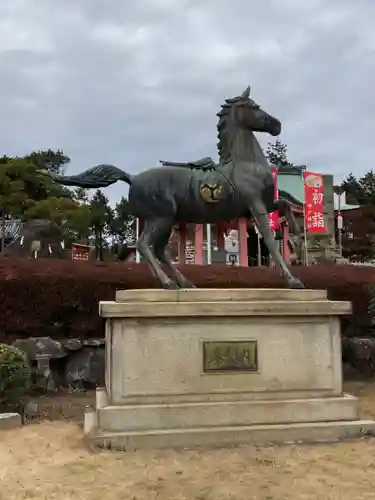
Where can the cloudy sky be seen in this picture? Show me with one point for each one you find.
(129, 82)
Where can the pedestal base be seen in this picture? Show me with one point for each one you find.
(222, 367)
(231, 436)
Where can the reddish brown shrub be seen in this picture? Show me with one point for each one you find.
(60, 298)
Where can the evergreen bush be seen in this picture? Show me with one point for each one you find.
(15, 377)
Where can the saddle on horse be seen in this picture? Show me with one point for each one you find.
(205, 163)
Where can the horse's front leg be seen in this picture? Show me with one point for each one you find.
(260, 215)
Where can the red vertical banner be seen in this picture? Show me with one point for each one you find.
(314, 203)
(273, 217)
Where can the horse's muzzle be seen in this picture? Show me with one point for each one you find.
(274, 126)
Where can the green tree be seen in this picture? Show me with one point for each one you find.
(101, 219)
(359, 225)
(81, 195)
(367, 188)
(28, 194)
(53, 209)
(52, 161)
(42, 160)
(277, 154)
(77, 225)
(4, 159)
(360, 190)
(17, 178)
(352, 188)
(78, 222)
(122, 223)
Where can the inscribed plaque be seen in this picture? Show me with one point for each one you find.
(235, 356)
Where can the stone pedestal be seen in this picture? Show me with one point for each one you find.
(219, 367)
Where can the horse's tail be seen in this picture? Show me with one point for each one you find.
(95, 177)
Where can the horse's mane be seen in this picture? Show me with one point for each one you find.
(223, 145)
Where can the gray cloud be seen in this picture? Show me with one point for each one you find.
(132, 82)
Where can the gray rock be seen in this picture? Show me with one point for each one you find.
(71, 363)
(45, 376)
(360, 354)
(72, 344)
(31, 410)
(10, 420)
(94, 342)
(85, 367)
(40, 347)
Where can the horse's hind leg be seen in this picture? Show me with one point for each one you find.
(162, 253)
(152, 231)
(260, 214)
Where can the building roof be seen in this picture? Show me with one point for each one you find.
(290, 182)
(293, 185)
(346, 206)
(340, 202)
(284, 195)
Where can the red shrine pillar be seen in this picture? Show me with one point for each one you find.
(285, 233)
(220, 228)
(198, 244)
(242, 240)
(182, 243)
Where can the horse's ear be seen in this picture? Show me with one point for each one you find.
(246, 93)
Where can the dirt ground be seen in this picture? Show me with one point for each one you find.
(47, 460)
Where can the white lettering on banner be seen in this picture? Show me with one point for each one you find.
(316, 220)
(317, 198)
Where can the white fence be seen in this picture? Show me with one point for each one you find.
(370, 263)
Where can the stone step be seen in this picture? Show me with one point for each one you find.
(228, 413)
(218, 295)
(235, 435)
(109, 309)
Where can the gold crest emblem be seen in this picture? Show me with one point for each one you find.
(211, 193)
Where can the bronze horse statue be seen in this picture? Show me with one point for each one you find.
(241, 185)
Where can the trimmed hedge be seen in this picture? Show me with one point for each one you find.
(59, 298)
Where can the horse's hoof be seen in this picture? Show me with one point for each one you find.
(188, 284)
(295, 284)
(171, 285)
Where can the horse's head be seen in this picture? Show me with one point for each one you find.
(248, 114)
(241, 114)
